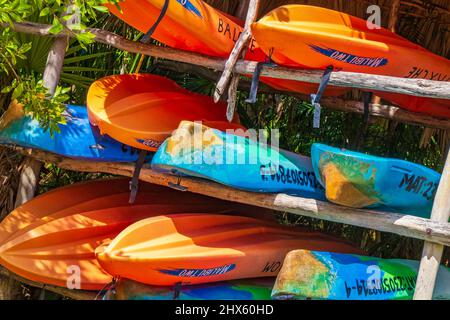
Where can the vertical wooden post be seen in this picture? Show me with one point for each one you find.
(393, 16)
(238, 50)
(432, 253)
(392, 25)
(29, 178)
(31, 168)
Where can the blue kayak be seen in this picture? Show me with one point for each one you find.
(242, 289)
(336, 276)
(237, 162)
(76, 139)
(359, 180)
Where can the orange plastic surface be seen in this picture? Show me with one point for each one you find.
(315, 37)
(54, 235)
(198, 27)
(196, 248)
(142, 110)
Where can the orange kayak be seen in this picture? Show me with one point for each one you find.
(195, 26)
(315, 37)
(142, 110)
(45, 237)
(196, 248)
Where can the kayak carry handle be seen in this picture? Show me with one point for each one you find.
(134, 183)
(315, 98)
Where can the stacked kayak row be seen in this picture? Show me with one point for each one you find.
(296, 36)
(341, 176)
(87, 236)
(92, 230)
(142, 112)
(344, 177)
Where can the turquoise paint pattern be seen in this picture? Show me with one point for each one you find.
(241, 163)
(395, 185)
(245, 289)
(353, 277)
(76, 139)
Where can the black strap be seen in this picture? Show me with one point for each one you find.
(148, 35)
(177, 290)
(315, 98)
(135, 180)
(255, 80)
(257, 75)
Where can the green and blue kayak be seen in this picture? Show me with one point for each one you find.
(244, 289)
(333, 276)
(359, 180)
(236, 161)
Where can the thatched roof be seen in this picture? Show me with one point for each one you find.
(425, 22)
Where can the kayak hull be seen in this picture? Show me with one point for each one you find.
(335, 276)
(236, 161)
(195, 249)
(358, 180)
(325, 37)
(52, 238)
(141, 110)
(197, 27)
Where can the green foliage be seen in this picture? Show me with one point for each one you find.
(24, 56)
(14, 11)
(10, 51)
(48, 110)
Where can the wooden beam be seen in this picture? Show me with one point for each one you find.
(238, 51)
(339, 104)
(432, 252)
(410, 226)
(414, 87)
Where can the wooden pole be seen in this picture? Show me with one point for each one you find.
(413, 87)
(393, 16)
(432, 252)
(29, 178)
(31, 168)
(238, 50)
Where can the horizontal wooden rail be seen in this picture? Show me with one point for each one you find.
(346, 105)
(414, 87)
(404, 225)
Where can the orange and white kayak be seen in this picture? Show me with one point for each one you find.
(195, 26)
(315, 37)
(142, 110)
(196, 248)
(52, 238)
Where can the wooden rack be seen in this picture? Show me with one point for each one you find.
(435, 231)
